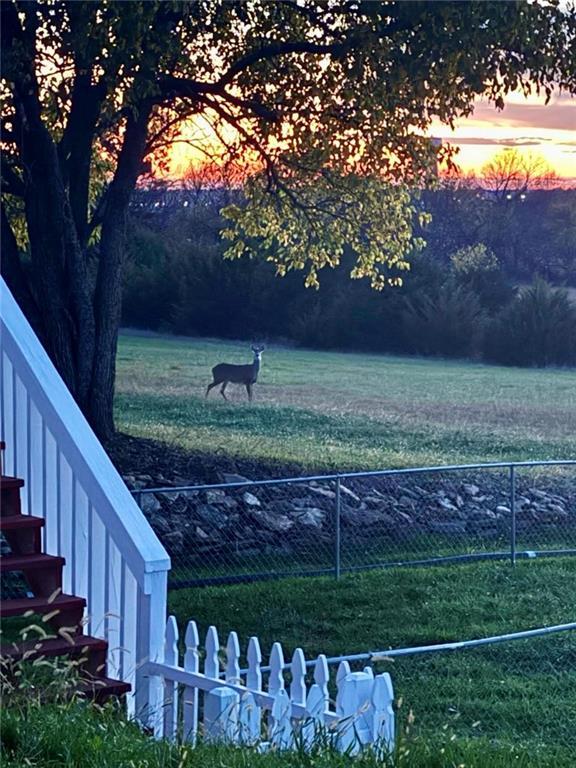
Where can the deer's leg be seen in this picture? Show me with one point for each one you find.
(210, 386)
(249, 390)
(223, 390)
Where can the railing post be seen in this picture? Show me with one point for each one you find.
(337, 530)
(512, 514)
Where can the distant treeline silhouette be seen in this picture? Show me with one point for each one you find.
(460, 299)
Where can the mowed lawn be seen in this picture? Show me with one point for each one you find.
(335, 411)
(517, 695)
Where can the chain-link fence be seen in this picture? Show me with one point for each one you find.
(245, 531)
(508, 692)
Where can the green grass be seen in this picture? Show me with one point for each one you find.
(518, 694)
(326, 410)
(77, 736)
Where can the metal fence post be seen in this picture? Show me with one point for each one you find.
(512, 514)
(337, 531)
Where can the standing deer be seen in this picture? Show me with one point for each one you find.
(226, 373)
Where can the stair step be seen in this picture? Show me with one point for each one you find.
(62, 603)
(100, 689)
(20, 522)
(10, 495)
(32, 562)
(11, 482)
(53, 646)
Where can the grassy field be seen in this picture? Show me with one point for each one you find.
(326, 410)
(517, 694)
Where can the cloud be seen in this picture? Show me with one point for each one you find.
(523, 141)
(559, 115)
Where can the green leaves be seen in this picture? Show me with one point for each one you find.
(309, 227)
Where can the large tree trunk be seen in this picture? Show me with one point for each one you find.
(78, 322)
(108, 293)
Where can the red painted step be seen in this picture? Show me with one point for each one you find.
(70, 609)
(44, 576)
(102, 688)
(92, 648)
(43, 572)
(11, 482)
(20, 522)
(23, 533)
(10, 495)
(30, 562)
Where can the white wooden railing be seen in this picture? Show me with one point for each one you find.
(113, 558)
(238, 708)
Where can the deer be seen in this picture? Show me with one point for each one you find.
(226, 373)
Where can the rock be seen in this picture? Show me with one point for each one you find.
(251, 500)
(470, 489)
(280, 507)
(211, 515)
(160, 525)
(350, 494)
(274, 523)
(311, 516)
(230, 477)
(322, 491)
(130, 481)
(503, 510)
(214, 496)
(408, 492)
(149, 504)
(174, 542)
(303, 502)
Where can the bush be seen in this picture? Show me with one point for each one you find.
(537, 329)
(446, 322)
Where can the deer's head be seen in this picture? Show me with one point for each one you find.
(257, 351)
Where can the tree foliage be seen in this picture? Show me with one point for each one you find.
(325, 105)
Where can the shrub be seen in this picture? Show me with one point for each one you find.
(477, 268)
(445, 322)
(537, 329)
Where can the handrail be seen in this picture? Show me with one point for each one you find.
(125, 522)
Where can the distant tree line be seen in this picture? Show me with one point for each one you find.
(493, 282)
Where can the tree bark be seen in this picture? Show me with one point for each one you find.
(108, 293)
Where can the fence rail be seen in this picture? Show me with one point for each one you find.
(330, 524)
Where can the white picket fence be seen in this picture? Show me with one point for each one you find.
(238, 708)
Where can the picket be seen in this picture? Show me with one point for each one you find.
(211, 662)
(239, 711)
(170, 687)
(254, 677)
(232, 659)
(383, 712)
(281, 730)
(249, 719)
(190, 693)
(314, 721)
(298, 672)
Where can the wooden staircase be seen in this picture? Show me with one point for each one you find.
(62, 613)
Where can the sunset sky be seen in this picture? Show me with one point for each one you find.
(527, 124)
